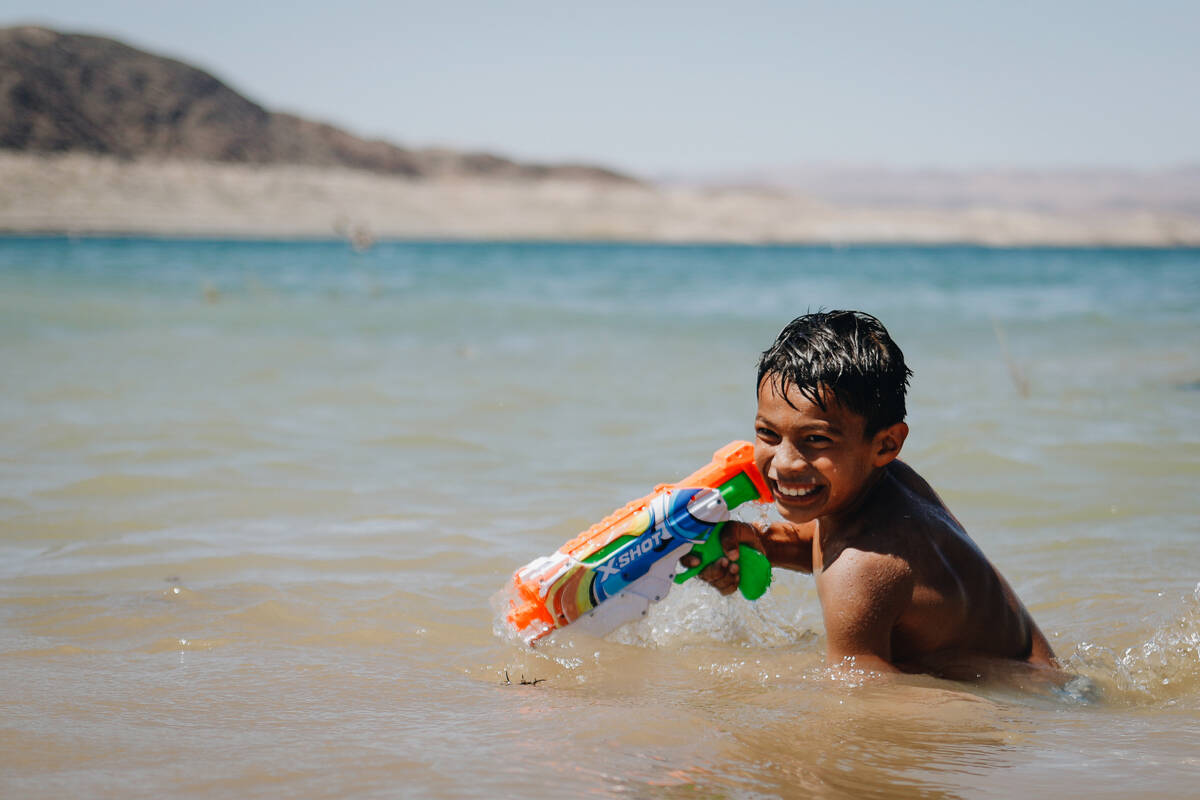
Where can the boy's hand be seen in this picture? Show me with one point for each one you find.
(724, 573)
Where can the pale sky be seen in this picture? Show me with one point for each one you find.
(702, 87)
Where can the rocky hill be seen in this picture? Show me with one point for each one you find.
(62, 93)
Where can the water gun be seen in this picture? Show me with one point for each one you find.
(611, 573)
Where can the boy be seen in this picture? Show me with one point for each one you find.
(902, 587)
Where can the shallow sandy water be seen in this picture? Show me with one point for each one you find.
(255, 499)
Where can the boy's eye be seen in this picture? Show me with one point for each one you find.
(766, 434)
(816, 438)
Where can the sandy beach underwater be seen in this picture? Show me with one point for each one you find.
(80, 194)
(255, 497)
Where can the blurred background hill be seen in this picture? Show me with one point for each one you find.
(73, 93)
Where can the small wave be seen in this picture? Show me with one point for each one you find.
(119, 485)
(1164, 668)
(427, 441)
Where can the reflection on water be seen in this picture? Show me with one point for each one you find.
(898, 741)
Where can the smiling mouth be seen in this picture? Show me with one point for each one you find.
(797, 492)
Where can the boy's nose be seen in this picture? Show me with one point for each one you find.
(788, 458)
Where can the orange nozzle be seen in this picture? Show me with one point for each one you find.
(727, 463)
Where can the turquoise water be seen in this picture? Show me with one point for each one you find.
(254, 497)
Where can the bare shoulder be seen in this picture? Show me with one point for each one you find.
(911, 504)
(908, 477)
(865, 578)
(858, 564)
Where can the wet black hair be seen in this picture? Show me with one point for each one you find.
(848, 353)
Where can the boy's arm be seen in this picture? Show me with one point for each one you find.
(789, 545)
(785, 544)
(862, 596)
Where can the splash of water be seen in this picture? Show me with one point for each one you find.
(1164, 668)
(696, 614)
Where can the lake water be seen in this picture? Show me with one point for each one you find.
(255, 497)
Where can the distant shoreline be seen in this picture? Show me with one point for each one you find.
(133, 236)
(82, 195)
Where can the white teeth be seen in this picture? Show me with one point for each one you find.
(796, 492)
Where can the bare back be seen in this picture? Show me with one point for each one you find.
(948, 599)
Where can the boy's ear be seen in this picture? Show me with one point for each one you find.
(888, 442)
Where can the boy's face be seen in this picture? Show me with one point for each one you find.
(816, 462)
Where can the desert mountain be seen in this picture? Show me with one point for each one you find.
(62, 92)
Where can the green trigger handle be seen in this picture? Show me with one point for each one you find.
(754, 570)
